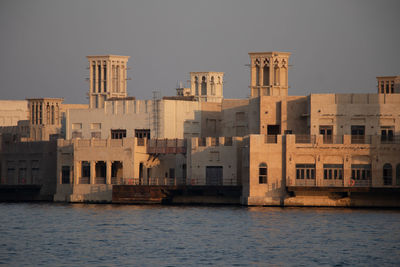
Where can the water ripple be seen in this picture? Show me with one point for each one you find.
(113, 235)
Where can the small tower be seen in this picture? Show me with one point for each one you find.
(388, 84)
(107, 78)
(207, 86)
(269, 73)
(44, 118)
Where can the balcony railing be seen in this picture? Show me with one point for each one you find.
(166, 146)
(361, 139)
(305, 182)
(332, 183)
(332, 139)
(305, 139)
(271, 139)
(389, 139)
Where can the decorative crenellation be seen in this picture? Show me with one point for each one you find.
(269, 73)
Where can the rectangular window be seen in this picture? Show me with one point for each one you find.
(305, 171)
(357, 134)
(85, 169)
(118, 134)
(387, 134)
(65, 175)
(333, 171)
(142, 133)
(361, 172)
(326, 131)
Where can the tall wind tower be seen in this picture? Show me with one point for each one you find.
(107, 78)
(269, 73)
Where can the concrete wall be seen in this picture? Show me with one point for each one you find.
(344, 110)
(12, 111)
(34, 163)
(209, 154)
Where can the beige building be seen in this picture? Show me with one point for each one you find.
(320, 149)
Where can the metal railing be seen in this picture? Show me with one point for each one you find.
(305, 182)
(332, 139)
(305, 139)
(389, 139)
(361, 139)
(271, 139)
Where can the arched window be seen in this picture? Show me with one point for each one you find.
(196, 85)
(212, 86)
(266, 75)
(387, 174)
(203, 86)
(257, 75)
(262, 173)
(276, 75)
(398, 174)
(52, 114)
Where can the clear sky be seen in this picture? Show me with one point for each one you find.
(337, 46)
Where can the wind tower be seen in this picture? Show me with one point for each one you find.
(269, 73)
(207, 86)
(107, 78)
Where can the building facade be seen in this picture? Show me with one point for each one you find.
(320, 149)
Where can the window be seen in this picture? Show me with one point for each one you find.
(196, 85)
(333, 171)
(142, 133)
(212, 86)
(85, 169)
(65, 175)
(361, 171)
(262, 173)
(257, 75)
(305, 171)
(357, 134)
(387, 174)
(387, 134)
(326, 132)
(266, 75)
(118, 134)
(203, 86)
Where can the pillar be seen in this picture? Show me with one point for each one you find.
(77, 175)
(108, 172)
(92, 172)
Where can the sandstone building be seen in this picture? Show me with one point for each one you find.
(320, 149)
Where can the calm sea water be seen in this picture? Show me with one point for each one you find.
(113, 235)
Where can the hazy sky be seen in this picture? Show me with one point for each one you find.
(337, 46)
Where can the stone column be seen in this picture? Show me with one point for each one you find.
(108, 172)
(77, 175)
(92, 171)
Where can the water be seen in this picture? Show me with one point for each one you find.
(113, 235)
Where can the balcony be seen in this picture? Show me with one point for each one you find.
(166, 146)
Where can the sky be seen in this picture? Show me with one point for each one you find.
(337, 46)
